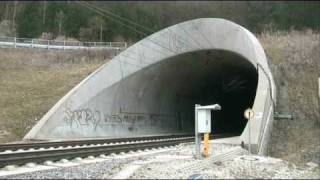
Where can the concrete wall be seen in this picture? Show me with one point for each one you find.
(130, 95)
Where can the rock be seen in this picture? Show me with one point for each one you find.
(312, 165)
(9, 167)
(195, 176)
(30, 165)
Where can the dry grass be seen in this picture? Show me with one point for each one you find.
(32, 81)
(295, 61)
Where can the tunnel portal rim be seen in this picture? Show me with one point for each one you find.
(239, 33)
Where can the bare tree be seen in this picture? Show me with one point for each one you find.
(44, 12)
(101, 32)
(14, 14)
(6, 15)
(96, 24)
(60, 16)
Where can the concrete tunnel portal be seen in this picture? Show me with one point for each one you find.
(201, 77)
(151, 88)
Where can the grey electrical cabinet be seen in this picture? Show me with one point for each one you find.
(204, 117)
(204, 121)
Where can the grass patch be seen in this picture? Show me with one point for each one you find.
(31, 82)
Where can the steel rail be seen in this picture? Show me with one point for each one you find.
(122, 145)
(48, 144)
(20, 158)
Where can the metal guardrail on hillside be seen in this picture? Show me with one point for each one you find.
(52, 44)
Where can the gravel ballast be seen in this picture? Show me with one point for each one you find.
(179, 162)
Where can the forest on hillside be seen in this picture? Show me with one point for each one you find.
(99, 20)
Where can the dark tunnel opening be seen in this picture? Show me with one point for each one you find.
(207, 77)
(165, 93)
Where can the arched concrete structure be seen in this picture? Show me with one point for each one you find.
(151, 87)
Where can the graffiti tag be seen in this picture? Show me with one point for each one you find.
(82, 117)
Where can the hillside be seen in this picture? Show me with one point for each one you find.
(295, 61)
(50, 19)
(33, 80)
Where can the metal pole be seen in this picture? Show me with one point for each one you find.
(197, 135)
(319, 87)
(101, 33)
(319, 95)
(249, 135)
(248, 114)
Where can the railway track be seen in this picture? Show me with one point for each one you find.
(38, 152)
(48, 144)
(68, 150)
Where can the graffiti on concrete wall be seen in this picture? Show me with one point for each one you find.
(82, 117)
(136, 118)
(93, 118)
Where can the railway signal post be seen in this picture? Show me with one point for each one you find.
(248, 114)
(203, 125)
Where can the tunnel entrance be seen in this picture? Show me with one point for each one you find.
(152, 90)
(202, 77)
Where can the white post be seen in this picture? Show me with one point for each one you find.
(319, 87)
(319, 95)
(64, 44)
(197, 135)
(100, 32)
(31, 43)
(15, 42)
(249, 136)
(48, 44)
(249, 114)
